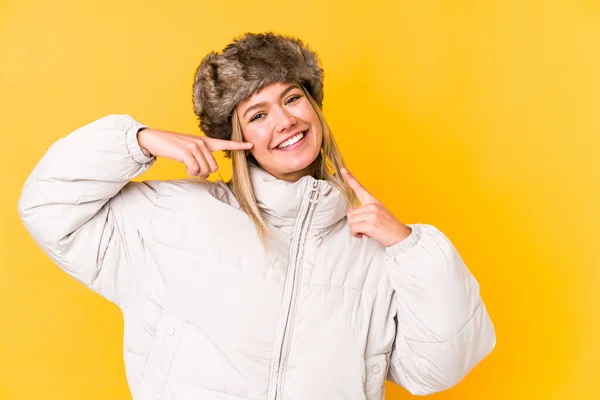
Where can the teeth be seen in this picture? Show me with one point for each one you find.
(291, 141)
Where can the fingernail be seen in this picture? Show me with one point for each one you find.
(344, 170)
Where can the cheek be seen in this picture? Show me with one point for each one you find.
(319, 133)
(259, 137)
(318, 130)
(309, 115)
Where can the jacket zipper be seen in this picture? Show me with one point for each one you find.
(313, 198)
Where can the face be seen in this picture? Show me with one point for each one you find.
(284, 128)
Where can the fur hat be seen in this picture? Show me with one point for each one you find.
(246, 66)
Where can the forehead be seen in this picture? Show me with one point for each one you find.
(270, 93)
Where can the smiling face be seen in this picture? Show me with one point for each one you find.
(284, 128)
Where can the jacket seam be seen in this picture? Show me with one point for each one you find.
(108, 243)
(338, 287)
(137, 354)
(145, 277)
(396, 356)
(458, 332)
(217, 391)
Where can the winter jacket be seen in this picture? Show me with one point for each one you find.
(210, 314)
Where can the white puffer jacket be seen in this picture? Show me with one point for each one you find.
(210, 315)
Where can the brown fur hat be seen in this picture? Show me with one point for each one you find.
(246, 66)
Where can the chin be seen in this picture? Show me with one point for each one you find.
(291, 167)
(301, 165)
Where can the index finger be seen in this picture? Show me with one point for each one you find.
(220, 144)
(363, 194)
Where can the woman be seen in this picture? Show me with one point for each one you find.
(267, 287)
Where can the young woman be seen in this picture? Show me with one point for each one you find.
(276, 285)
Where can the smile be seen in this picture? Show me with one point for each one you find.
(293, 142)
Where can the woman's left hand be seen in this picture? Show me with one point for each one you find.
(372, 219)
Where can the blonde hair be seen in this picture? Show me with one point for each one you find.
(326, 166)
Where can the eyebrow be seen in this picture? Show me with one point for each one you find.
(263, 103)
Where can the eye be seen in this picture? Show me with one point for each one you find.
(292, 99)
(256, 117)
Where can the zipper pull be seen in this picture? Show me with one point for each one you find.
(314, 195)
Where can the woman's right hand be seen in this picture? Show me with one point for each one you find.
(192, 150)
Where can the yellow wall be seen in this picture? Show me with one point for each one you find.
(482, 118)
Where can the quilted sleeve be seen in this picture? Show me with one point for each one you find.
(80, 207)
(443, 327)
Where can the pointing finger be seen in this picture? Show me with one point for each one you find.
(219, 144)
(363, 195)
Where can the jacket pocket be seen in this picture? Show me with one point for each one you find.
(169, 332)
(141, 320)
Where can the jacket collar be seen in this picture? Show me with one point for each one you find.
(281, 201)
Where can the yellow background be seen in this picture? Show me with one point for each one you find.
(480, 117)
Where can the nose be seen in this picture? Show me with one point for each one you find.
(284, 121)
